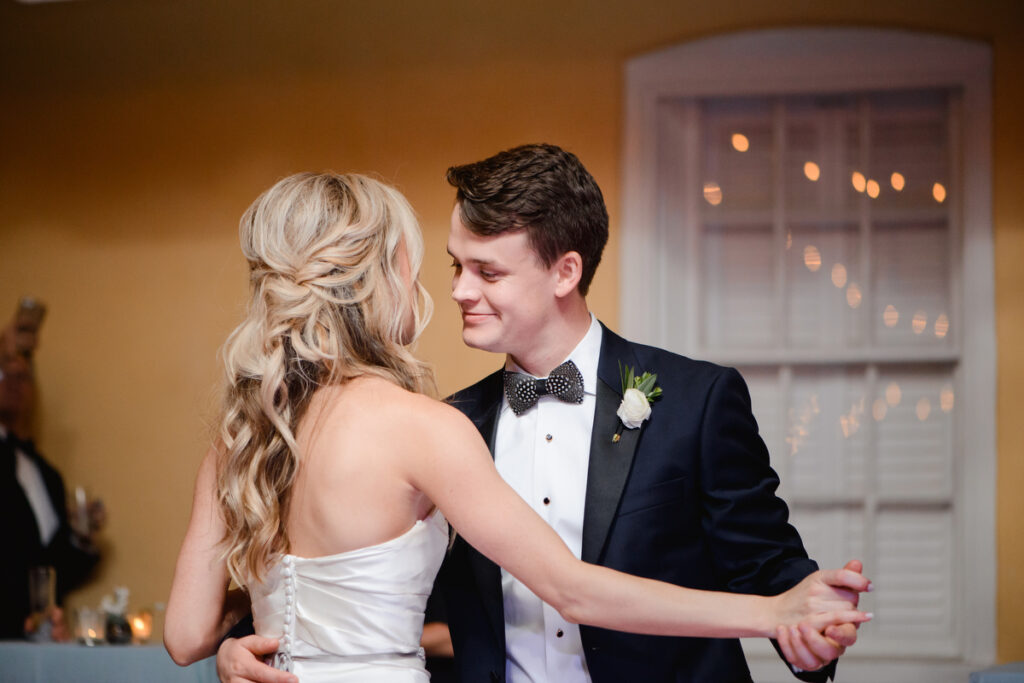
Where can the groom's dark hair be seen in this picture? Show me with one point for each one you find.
(541, 189)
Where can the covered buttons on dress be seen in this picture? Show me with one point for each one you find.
(282, 659)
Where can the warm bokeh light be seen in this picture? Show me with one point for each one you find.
(799, 423)
(853, 295)
(890, 316)
(860, 183)
(839, 275)
(873, 189)
(812, 171)
(898, 182)
(924, 408)
(919, 322)
(941, 326)
(946, 398)
(789, 239)
(893, 394)
(879, 409)
(939, 192)
(812, 258)
(142, 627)
(740, 143)
(712, 194)
(850, 422)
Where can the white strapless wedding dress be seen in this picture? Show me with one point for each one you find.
(354, 616)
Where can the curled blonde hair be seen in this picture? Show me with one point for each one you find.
(328, 303)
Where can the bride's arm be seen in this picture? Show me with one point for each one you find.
(200, 609)
(449, 462)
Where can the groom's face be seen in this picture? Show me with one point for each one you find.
(503, 289)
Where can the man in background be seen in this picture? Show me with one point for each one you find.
(32, 495)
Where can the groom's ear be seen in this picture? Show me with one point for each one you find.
(567, 269)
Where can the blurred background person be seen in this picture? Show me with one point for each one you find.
(32, 497)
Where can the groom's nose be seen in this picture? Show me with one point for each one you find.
(463, 289)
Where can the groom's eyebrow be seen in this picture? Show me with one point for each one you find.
(477, 261)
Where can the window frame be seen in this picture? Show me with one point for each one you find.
(827, 60)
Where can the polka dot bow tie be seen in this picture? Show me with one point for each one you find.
(522, 391)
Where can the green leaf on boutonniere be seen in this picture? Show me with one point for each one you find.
(645, 383)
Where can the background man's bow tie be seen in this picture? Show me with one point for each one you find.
(522, 391)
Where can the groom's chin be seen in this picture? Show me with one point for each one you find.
(475, 338)
(471, 338)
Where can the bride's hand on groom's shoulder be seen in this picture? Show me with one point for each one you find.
(829, 624)
(238, 661)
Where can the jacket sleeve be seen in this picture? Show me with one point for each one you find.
(755, 548)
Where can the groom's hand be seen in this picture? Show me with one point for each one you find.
(238, 661)
(805, 648)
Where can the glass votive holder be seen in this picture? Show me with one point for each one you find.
(142, 626)
(90, 626)
(42, 582)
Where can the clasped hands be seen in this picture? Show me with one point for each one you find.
(811, 642)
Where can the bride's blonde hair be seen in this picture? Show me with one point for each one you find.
(328, 303)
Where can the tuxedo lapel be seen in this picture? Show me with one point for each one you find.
(610, 461)
(484, 413)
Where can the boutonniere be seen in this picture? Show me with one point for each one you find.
(638, 392)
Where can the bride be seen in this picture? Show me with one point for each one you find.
(326, 493)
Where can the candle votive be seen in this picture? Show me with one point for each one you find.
(90, 626)
(142, 626)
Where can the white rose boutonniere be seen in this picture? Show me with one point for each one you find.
(638, 392)
(634, 408)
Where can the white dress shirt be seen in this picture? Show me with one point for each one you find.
(544, 455)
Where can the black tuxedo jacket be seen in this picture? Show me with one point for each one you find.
(23, 546)
(687, 498)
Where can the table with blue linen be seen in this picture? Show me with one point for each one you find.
(1007, 673)
(25, 662)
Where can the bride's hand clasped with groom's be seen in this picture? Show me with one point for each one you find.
(810, 642)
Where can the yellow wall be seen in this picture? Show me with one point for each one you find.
(134, 135)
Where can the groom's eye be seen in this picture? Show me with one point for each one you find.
(457, 266)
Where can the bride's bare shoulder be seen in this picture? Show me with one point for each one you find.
(400, 425)
(375, 400)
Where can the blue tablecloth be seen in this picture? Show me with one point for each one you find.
(1007, 673)
(24, 662)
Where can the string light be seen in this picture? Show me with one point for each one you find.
(860, 183)
(839, 275)
(712, 194)
(812, 258)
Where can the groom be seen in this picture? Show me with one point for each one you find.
(687, 497)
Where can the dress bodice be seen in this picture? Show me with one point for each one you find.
(356, 615)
